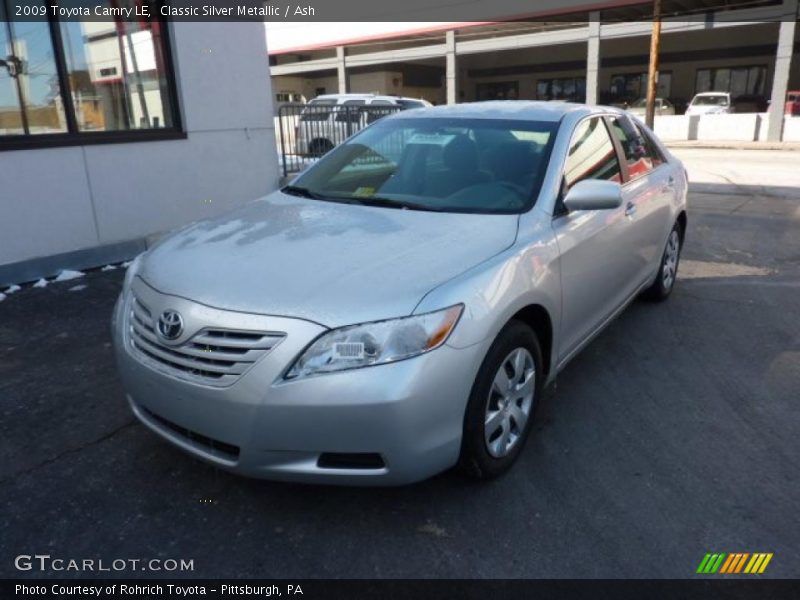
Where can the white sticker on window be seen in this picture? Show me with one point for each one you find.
(436, 139)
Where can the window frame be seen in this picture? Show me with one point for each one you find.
(559, 209)
(73, 136)
(606, 123)
(649, 145)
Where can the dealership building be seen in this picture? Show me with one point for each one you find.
(114, 132)
(749, 49)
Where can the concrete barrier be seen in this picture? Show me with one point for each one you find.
(791, 129)
(735, 128)
(672, 128)
(743, 127)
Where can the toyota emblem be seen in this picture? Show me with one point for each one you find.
(170, 325)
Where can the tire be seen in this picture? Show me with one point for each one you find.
(487, 456)
(668, 267)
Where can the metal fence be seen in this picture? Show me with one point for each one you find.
(307, 131)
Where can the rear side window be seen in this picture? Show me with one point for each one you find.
(317, 111)
(637, 150)
(652, 150)
(349, 111)
(591, 154)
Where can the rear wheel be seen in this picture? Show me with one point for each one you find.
(502, 403)
(668, 269)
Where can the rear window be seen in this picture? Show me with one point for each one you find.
(411, 104)
(710, 101)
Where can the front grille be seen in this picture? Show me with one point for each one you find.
(213, 356)
(228, 451)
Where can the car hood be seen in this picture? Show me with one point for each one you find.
(331, 263)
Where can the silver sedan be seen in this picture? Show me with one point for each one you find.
(399, 307)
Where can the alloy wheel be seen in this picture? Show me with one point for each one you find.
(669, 269)
(509, 404)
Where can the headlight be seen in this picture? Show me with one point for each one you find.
(376, 343)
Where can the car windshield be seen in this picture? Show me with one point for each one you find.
(451, 165)
(710, 101)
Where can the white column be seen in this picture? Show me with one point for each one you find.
(783, 62)
(450, 69)
(341, 69)
(592, 58)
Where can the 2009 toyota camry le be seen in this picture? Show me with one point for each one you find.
(399, 307)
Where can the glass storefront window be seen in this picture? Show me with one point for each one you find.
(30, 96)
(84, 77)
(750, 80)
(116, 75)
(572, 89)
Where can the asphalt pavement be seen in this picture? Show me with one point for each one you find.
(675, 433)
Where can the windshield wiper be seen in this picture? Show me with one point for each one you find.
(296, 190)
(388, 203)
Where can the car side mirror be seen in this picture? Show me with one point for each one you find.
(594, 194)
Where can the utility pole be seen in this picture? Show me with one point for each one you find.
(652, 72)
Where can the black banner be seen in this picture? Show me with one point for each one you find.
(386, 10)
(407, 589)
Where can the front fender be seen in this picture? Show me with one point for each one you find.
(494, 291)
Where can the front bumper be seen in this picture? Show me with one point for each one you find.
(408, 413)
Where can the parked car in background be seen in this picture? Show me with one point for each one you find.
(663, 107)
(710, 103)
(399, 307)
(793, 103)
(330, 119)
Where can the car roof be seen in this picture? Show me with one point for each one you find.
(527, 110)
(713, 94)
(355, 96)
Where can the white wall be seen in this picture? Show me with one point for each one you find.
(58, 200)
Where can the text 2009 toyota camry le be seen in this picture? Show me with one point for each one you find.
(399, 307)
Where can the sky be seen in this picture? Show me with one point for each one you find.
(283, 36)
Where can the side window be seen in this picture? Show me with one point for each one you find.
(653, 153)
(591, 154)
(634, 146)
(377, 109)
(349, 111)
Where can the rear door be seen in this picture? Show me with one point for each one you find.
(647, 195)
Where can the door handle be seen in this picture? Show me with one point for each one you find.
(630, 209)
(670, 184)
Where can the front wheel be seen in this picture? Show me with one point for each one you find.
(668, 268)
(502, 403)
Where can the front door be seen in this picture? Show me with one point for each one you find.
(596, 264)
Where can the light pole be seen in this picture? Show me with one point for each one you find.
(652, 72)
